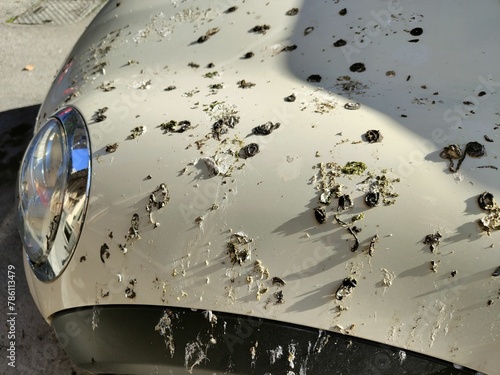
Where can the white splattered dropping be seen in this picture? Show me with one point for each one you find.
(275, 354)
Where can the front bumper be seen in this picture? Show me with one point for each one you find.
(154, 340)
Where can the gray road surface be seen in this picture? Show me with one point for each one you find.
(21, 92)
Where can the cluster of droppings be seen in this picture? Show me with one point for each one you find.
(164, 327)
(491, 221)
(376, 185)
(373, 185)
(345, 288)
(137, 132)
(433, 240)
(454, 152)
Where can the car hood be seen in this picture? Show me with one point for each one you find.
(193, 205)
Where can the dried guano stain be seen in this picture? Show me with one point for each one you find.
(354, 167)
(110, 148)
(357, 67)
(320, 215)
(496, 273)
(416, 31)
(249, 151)
(104, 252)
(99, 114)
(106, 86)
(308, 30)
(433, 240)
(208, 34)
(260, 29)
(266, 129)
(129, 291)
(491, 221)
(159, 198)
(245, 85)
(222, 126)
(373, 136)
(352, 106)
(133, 232)
(279, 297)
(137, 132)
(345, 289)
(164, 327)
(339, 43)
(289, 48)
(371, 248)
(372, 198)
(486, 201)
(451, 152)
(173, 126)
(238, 248)
(315, 78)
(278, 281)
(345, 202)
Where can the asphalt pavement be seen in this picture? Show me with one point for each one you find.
(30, 58)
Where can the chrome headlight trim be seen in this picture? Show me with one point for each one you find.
(66, 222)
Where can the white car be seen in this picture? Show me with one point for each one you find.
(244, 187)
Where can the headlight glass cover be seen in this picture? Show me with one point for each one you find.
(53, 187)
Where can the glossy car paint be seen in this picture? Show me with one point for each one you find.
(422, 89)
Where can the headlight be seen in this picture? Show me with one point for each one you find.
(53, 187)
